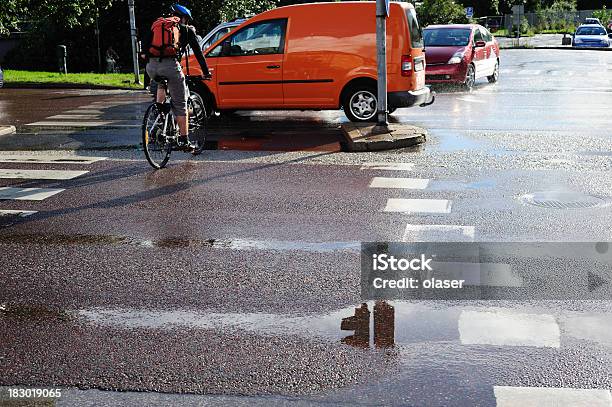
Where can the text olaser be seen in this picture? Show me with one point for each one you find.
(383, 262)
(411, 283)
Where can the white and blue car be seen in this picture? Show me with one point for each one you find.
(591, 35)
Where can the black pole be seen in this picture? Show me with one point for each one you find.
(98, 39)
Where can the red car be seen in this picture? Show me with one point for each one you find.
(460, 53)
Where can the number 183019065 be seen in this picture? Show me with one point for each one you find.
(22, 393)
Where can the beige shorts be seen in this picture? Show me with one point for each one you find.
(170, 69)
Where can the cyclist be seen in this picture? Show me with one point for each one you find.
(164, 45)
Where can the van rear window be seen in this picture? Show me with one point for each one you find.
(416, 36)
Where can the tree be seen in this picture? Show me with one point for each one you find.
(9, 11)
(73, 23)
(441, 12)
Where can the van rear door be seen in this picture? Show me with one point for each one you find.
(250, 75)
(416, 49)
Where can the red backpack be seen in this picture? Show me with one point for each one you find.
(165, 38)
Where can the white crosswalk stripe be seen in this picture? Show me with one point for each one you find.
(28, 194)
(10, 212)
(503, 328)
(438, 233)
(507, 396)
(40, 174)
(388, 166)
(48, 159)
(431, 206)
(400, 183)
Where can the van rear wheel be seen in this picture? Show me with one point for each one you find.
(360, 103)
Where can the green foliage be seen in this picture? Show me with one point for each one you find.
(524, 27)
(239, 8)
(73, 23)
(560, 6)
(115, 80)
(9, 10)
(604, 15)
(441, 12)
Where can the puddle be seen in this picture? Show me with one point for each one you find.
(24, 312)
(177, 242)
(381, 324)
(562, 199)
(437, 185)
(450, 141)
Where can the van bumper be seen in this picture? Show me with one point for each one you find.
(421, 97)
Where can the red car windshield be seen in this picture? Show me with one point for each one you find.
(446, 37)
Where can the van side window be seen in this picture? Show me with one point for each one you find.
(416, 35)
(265, 37)
(216, 36)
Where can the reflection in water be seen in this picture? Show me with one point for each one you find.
(384, 326)
(360, 323)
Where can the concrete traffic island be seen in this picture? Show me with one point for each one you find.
(369, 137)
(7, 130)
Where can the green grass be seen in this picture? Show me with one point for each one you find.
(118, 80)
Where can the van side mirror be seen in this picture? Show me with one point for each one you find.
(226, 48)
(480, 44)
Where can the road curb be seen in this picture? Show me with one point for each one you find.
(7, 130)
(367, 137)
(561, 47)
(59, 85)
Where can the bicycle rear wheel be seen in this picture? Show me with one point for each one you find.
(197, 120)
(156, 146)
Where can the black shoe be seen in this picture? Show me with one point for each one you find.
(184, 144)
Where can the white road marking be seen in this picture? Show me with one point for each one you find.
(508, 329)
(590, 327)
(60, 123)
(388, 166)
(40, 174)
(418, 205)
(23, 214)
(85, 111)
(28, 194)
(74, 117)
(472, 99)
(48, 159)
(70, 123)
(508, 396)
(438, 233)
(402, 183)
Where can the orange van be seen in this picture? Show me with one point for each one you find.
(316, 56)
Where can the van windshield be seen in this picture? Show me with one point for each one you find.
(416, 36)
(447, 37)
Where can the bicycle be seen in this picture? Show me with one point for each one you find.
(160, 131)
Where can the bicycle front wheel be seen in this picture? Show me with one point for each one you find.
(156, 146)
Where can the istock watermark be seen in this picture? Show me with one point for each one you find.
(492, 271)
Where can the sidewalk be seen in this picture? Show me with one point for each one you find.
(538, 41)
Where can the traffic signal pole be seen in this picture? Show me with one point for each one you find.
(381, 53)
(134, 42)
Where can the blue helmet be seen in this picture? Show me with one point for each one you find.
(181, 11)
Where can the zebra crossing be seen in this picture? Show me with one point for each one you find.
(118, 113)
(417, 206)
(31, 194)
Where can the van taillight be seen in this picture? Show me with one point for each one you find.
(406, 65)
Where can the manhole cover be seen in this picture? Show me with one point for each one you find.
(562, 200)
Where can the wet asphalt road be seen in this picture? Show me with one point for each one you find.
(228, 276)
